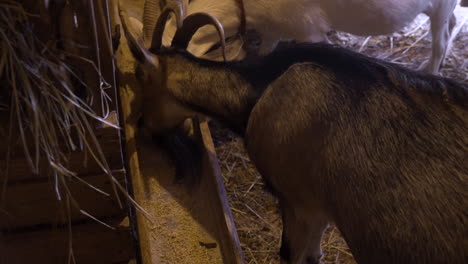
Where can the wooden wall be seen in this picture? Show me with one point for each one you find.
(34, 224)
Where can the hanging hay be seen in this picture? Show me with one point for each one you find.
(40, 110)
(255, 210)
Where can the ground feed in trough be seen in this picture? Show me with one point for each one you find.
(177, 234)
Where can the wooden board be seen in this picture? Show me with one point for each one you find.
(108, 137)
(83, 163)
(219, 202)
(35, 205)
(19, 170)
(92, 243)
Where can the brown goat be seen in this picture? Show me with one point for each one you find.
(377, 149)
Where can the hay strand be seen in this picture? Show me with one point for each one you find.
(41, 98)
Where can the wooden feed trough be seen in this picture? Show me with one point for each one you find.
(191, 224)
(176, 223)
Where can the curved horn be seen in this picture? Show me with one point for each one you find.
(136, 46)
(191, 24)
(150, 16)
(175, 7)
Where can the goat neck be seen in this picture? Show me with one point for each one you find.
(211, 88)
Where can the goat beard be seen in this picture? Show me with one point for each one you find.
(185, 152)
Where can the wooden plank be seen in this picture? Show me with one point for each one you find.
(80, 162)
(108, 137)
(217, 194)
(92, 243)
(128, 98)
(34, 205)
(19, 170)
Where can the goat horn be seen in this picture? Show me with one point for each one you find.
(175, 7)
(191, 24)
(150, 16)
(133, 44)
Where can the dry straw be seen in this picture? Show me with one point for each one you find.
(40, 102)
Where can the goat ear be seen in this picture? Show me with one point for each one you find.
(137, 47)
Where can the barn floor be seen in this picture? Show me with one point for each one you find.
(255, 210)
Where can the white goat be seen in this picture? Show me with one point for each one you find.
(310, 20)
